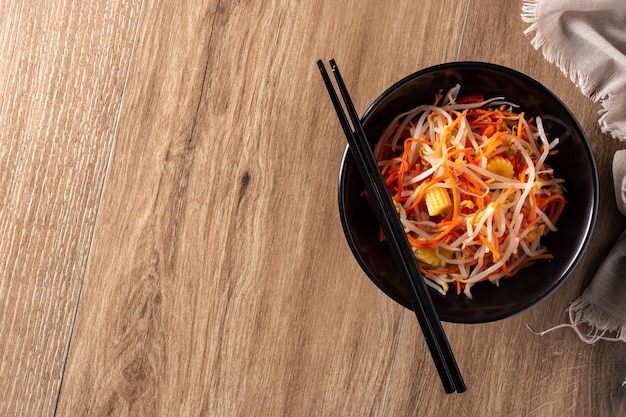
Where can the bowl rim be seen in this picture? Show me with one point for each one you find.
(589, 226)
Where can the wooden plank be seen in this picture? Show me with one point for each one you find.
(509, 370)
(220, 282)
(62, 71)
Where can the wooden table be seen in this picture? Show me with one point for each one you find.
(170, 239)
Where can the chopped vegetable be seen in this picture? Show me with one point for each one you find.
(502, 166)
(428, 256)
(437, 200)
(472, 188)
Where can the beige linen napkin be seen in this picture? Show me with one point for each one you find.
(602, 306)
(600, 312)
(586, 39)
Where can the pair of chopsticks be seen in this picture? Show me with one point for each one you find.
(394, 235)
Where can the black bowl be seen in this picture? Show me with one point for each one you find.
(574, 163)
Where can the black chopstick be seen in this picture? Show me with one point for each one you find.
(385, 211)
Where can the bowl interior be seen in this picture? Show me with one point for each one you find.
(574, 162)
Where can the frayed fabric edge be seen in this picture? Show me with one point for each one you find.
(605, 122)
(530, 14)
(583, 313)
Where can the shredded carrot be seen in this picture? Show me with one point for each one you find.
(478, 235)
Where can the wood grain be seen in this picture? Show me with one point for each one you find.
(62, 70)
(227, 280)
(507, 367)
(171, 243)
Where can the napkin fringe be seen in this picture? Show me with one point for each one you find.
(590, 88)
(582, 312)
